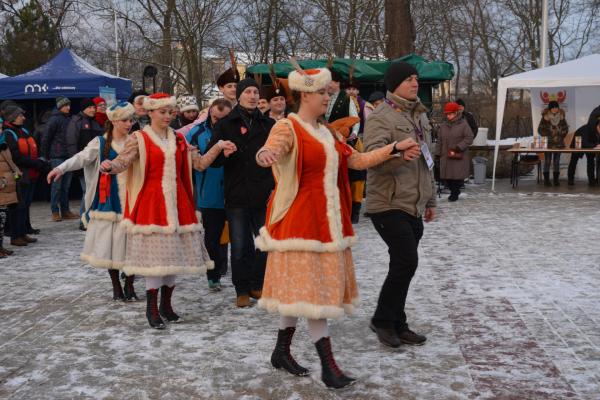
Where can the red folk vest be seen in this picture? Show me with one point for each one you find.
(165, 203)
(318, 218)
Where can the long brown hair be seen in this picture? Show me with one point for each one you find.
(109, 137)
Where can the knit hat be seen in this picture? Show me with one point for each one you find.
(99, 100)
(396, 73)
(85, 103)
(120, 111)
(553, 104)
(11, 112)
(61, 102)
(451, 107)
(6, 103)
(230, 76)
(159, 100)
(245, 84)
(460, 102)
(187, 102)
(376, 96)
(310, 80)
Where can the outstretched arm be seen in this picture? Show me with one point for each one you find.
(201, 162)
(279, 143)
(407, 150)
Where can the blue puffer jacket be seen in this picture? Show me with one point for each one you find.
(208, 185)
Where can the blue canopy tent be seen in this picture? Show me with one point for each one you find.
(67, 75)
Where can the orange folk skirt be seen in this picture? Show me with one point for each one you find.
(310, 284)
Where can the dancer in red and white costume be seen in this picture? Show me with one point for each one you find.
(164, 233)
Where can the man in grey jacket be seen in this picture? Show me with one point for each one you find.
(400, 195)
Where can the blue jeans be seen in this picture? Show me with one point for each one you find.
(82, 205)
(59, 191)
(247, 263)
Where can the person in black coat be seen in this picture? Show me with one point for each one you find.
(247, 188)
(590, 138)
(469, 117)
(24, 153)
(54, 149)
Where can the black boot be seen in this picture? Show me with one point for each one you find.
(555, 176)
(355, 212)
(152, 309)
(282, 356)
(547, 179)
(116, 284)
(165, 304)
(331, 374)
(130, 294)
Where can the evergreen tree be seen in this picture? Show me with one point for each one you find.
(30, 40)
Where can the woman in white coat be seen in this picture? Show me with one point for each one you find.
(106, 238)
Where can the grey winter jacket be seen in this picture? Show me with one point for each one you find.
(398, 184)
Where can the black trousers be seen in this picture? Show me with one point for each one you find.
(454, 185)
(247, 263)
(213, 220)
(402, 233)
(591, 165)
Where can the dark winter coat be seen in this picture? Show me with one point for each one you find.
(25, 158)
(555, 133)
(590, 137)
(470, 118)
(54, 139)
(80, 131)
(246, 183)
(455, 135)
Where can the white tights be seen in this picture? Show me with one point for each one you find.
(317, 328)
(155, 282)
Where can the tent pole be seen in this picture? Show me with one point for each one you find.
(544, 35)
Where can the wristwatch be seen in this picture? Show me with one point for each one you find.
(396, 151)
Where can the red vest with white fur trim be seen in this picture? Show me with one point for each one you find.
(165, 202)
(318, 217)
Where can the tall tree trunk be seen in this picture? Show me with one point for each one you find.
(166, 52)
(399, 29)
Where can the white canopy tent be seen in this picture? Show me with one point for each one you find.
(577, 80)
(3, 76)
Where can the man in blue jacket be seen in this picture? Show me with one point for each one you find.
(209, 193)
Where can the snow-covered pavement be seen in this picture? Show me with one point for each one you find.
(508, 293)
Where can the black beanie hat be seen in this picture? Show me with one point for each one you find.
(553, 104)
(245, 84)
(85, 103)
(135, 94)
(396, 73)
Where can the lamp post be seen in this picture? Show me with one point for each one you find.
(544, 34)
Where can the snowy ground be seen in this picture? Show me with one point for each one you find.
(507, 293)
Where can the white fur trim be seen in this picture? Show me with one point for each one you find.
(307, 310)
(169, 188)
(309, 83)
(154, 104)
(265, 242)
(105, 215)
(100, 262)
(120, 113)
(168, 270)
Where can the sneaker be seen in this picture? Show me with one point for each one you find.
(214, 286)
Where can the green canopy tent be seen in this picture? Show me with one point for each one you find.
(368, 72)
